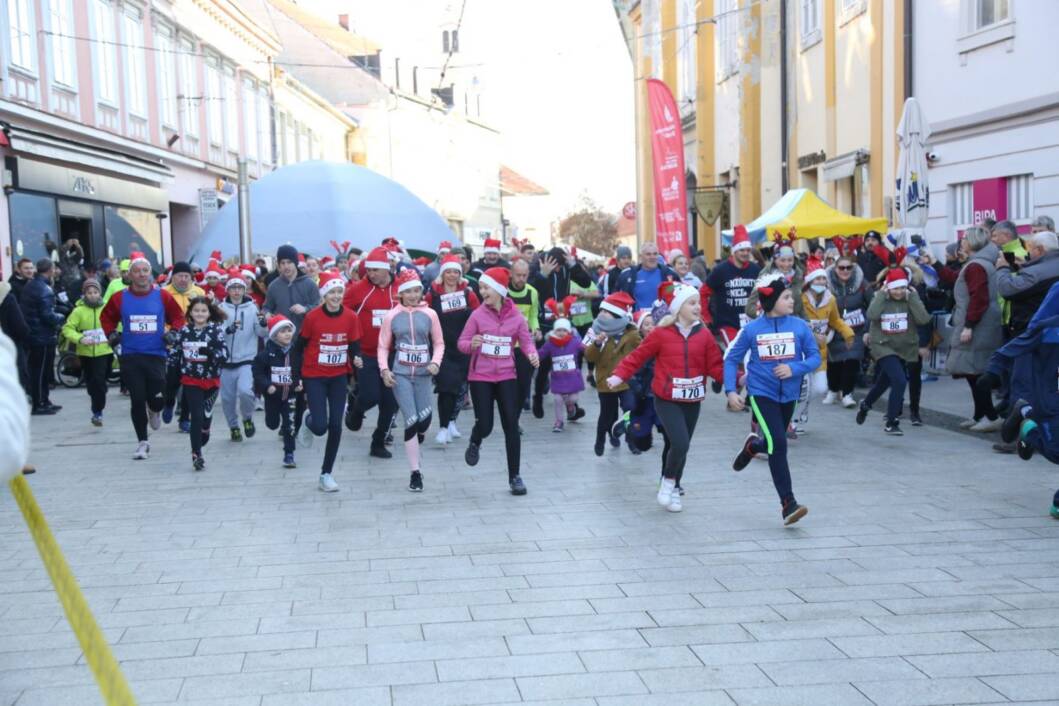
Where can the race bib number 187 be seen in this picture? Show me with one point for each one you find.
(772, 347)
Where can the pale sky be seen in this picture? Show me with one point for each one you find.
(556, 81)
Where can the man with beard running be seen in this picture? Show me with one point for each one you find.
(371, 299)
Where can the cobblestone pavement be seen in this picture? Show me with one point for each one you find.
(927, 572)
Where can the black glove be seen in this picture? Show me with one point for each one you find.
(114, 339)
(716, 387)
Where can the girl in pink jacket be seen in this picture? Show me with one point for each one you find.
(490, 337)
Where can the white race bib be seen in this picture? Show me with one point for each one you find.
(95, 336)
(377, 315)
(332, 355)
(688, 389)
(578, 308)
(281, 376)
(194, 351)
(496, 346)
(64, 297)
(453, 301)
(413, 355)
(772, 347)
(893, 324)
(853, 318)
(564, 363)
(143, 323)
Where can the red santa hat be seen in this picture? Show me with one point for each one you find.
(639, 318)
(740, 238)
(674, 294)
(214, 270)
(896, 277)
(200, 277)
(451, 262)
(497, 279)
(378, 259)
(492, 245)
(408, 279)
(235, 279)
(215, 256)
(138, 257)
(277, 323)
(618, 304)
(160, 280)
(814, 269)
(249, 272)
(444, 247)
(301, 261)
(329, 281)
(326, 261)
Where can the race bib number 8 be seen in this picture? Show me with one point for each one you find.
(772, 347)
(688, 389)
(453, 301)
(564, 363)
(893, 324)
(496, 346)
(332, 355)
(281, 376)
(143, 323)
(413, 355)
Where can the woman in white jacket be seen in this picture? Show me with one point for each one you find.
(14, 413)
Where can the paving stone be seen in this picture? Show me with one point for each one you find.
(435, 649)
(577, 685)
(1030, 687)
(926, 692)
(485, 691)
(839, 671)
(509, 666)
(988, 664)
(830, 694)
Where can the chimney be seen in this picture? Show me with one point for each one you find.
(343, 21)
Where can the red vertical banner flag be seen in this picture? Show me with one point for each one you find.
(667, 160)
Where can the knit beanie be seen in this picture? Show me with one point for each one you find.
(769, 288)
(287, 252)
(181, 266)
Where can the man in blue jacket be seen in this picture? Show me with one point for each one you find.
(38, 308)
(641, 282)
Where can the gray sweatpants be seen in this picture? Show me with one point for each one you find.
(237, 388)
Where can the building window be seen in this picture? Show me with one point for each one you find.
(1020, 198)
(61, 21)
(727, 38)
(688, 50)
(961, 205)
(250, 132)
(20, 26)
(264, 128)
(166, 60)
(188, 97)
(231, 110)
(215, 101)
(990, 12)
(809, 16)
(135, 61)
(106, 51)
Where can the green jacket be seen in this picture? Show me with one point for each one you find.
(901, 319)
(82, 319)
(528, 302)
(115, 285)
(585, 317)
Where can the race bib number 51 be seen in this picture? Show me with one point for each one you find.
(772, 347)
(143, 323)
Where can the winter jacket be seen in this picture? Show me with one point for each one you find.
(494, 360)
(627, 280)
(725, 294)
(113, 287)
(371, 304)
(202, 353)
(1024, 289)
(565, 377)
(794, 282)
(453, 310)
(893, 325)
(772, 341)
(682, 363)
(283, 294)
(242, 331)
(851, 298)
(18, 285)
(557, 285)
(274, 365)
(606, 356)
(1031, 359)
(971, 358)
(38, 308)
(12, 322)
(14, 413)
(86, 320)
(870, 265)
(410, 339)
(825, 319)
(183, 298)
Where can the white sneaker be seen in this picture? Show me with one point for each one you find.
(967, 423)
(305, 435)
(848, 402)
(443, 437)
(830, 397)
(986, 425)
(674, 503)
(155, 420)
(143, 451)
(666, 491)
(454, 433)
(327, 483)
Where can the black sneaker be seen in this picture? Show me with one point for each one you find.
(915, 420)
(578, 413)
(862, 413)
(1010, 429)
(380, 452)
(38, 411)
(1024, 450)
(288, 461)
(538, 406)
(619, 427)
(745, 454)
(198, 462)
(248, 428)
(893, 428)
(354, 418)
(415, 485)
(389, 438)
(237, 435)
(517, 486)
(471, 454)
(792, 511)
(54, 407)
(598, 448)
(614, 441)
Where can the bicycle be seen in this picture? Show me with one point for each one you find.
(69, 373)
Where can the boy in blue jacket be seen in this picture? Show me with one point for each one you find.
(782, 351)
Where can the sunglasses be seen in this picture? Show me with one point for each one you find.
(844, 268)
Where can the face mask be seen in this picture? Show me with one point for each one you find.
(818, 288)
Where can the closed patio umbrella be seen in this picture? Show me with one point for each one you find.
(913, 189)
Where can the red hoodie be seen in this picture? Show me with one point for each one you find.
(370, 304)
(681, 364)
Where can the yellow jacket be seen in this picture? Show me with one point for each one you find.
(825, 319)
(184, 297)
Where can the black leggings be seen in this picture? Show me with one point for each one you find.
(678, 425)
(915, 384)
(524, 375)
(200, 406)
(609, 402)
(144, 378)
(327, 402)
(446, 408)
(506, 395)
(172, 391)
(96, 370)
(983, 400)
(41, 363)
(773, 418)
(842, 376)
(279, 414)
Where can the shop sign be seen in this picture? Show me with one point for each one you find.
(208, 206)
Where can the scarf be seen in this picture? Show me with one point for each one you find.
(560, 340)
(609, 325)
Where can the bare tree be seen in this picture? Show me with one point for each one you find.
(590, 228)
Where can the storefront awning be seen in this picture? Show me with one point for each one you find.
(82, 155)
(843, 166)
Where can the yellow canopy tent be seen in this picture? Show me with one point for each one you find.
(810, 215)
